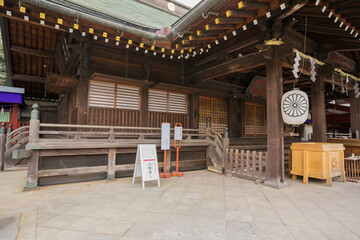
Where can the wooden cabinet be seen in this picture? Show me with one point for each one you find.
(317, 160)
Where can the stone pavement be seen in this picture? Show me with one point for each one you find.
(200, 205)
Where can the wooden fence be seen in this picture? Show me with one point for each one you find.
(246, 164)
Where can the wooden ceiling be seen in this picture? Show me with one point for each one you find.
(31, 51)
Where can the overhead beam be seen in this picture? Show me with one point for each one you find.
(252, 5)
(240, 13)
(218, 26)
(31, 51)
(344, 62)
(249, 61)
(28, 78)
(229, 20)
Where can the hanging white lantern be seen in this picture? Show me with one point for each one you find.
(294, 107)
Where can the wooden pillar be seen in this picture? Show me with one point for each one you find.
(275, 140)
(111, 164)
(354, 114)
(84, 86)
(194, 111)
(2, 146)
(235, 117)
(318, 110)
(33, 161)
(168, 160)
(144, 107)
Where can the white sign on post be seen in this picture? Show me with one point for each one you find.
(146, 164)
(178, 133)
(165, 136)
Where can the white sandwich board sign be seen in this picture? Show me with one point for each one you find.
(165, 136)
(178, 133)
(146, 164)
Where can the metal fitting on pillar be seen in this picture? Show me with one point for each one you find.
(35, 112)
(3, 128)
(226, 132)
(10, 129)
(208, 123)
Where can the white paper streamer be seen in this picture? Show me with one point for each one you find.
(356, 90)
(333, 82)
(342, 85)
(296, 65)
(313, 69)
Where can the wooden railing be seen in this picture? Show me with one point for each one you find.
(16, 139)
(246, 164)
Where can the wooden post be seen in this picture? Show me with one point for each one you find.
(275, 139)
(354, 114)
(226, 146)
(2, 146)
(111, 164)
(235, 117)
(33, 162)
(194, 111)
(168, 161)
(318, 110)
(144, 106)
(84, 86)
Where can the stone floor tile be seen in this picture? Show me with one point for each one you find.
(306, 233)
(86, 224)
(95, 236)
(143, 231)
(127, 215)
(154, 218)
(236, 228)
(67, 234)
(44, 233)
(103, 212)
(81, 210)
(113, 227)
(60, 221)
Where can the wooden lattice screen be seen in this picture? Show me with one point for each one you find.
(255, 119)
(217, 110)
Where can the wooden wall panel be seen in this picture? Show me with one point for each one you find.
(113, 62)
(113, 117)
(156, 118)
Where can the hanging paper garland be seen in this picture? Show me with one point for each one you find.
(346, 84)
(294, 107)
(333, 82)
(342, 85)
(313, 69)
(296, 65)
(356, 89)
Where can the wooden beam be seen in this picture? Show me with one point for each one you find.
(240, 13)
(249, 61)
(218, 26)
(209, 33)
(28, 78)
(31, 51)
(229, 20)
(318, 114)
(275, 139)
(345, 63)
(252, 5)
